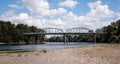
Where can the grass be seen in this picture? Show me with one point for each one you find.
(2, 52)
(44, 51)
(26, 55)
(89, 52)
(37, 54)
(19, 55)
(102, 56)
(9, 53)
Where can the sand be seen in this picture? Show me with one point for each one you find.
(82, 55)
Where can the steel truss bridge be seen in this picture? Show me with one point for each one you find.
(71, 31)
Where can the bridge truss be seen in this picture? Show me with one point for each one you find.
(57, 31)
(71, 30)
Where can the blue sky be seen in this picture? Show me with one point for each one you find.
(61, 13)
(81, 7)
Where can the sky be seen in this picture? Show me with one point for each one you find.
(62, 14)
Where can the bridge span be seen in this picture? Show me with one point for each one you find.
(71, 31)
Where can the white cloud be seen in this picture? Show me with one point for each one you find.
(8, 14)
(97, 10)
(14, 6)
(41, 8)
(118, 15)
(58, 12)
(68, 3)
(56, 23)
(24, 18)
(60, 17)
(92, 19)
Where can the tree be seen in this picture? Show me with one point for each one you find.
(13, 34)
(112, 33)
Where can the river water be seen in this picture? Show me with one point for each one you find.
(47, 46)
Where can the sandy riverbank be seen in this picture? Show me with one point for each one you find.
(84, 55)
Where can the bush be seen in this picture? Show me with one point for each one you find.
(44, 51)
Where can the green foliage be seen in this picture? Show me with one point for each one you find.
(112, 33)
(44, 51)
(55, 39)
(19, 55)
(13, 34)
(72, 38)
(37, 54)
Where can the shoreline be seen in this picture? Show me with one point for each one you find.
(16, 44)
(30, 50)
(81, 55)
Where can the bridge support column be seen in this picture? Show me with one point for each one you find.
(65, 38)
(94, 37)
(38, 39)
(32, 40)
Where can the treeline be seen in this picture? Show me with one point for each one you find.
(110, 34)
(72, 38)
(13, 34)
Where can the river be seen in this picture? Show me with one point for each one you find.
(47, 46)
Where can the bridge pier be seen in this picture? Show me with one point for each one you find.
(65, 38)
(38, 39)
(94, 37)
(33, 39)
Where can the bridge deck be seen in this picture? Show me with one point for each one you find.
(61, 33)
